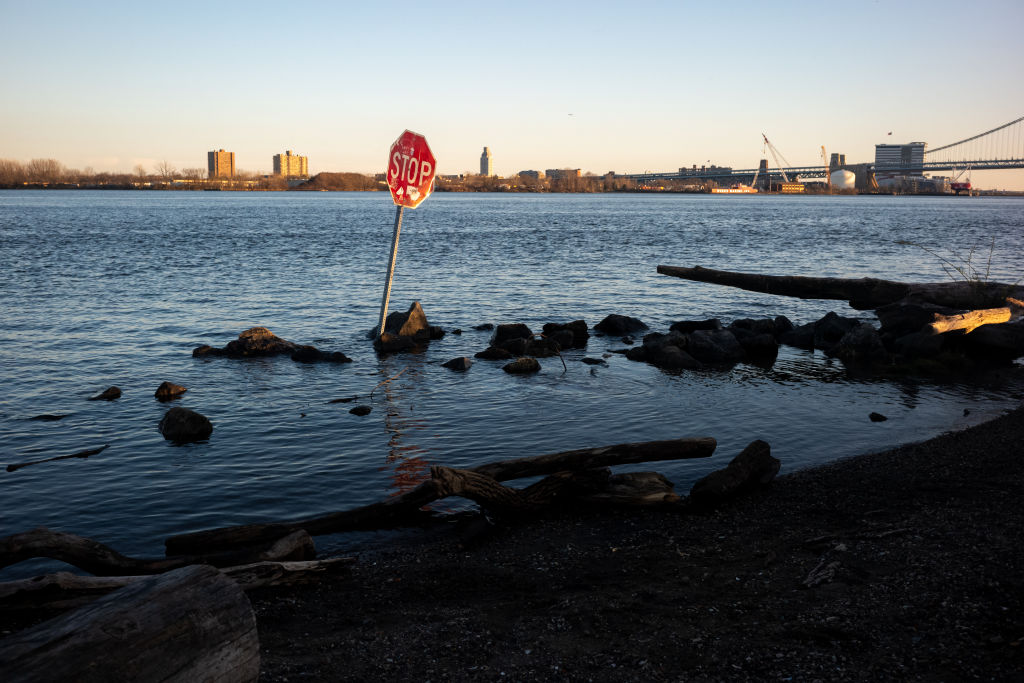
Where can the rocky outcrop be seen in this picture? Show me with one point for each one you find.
(618, 325)
(259, 342)
(752, 468)
(184, 426)
(407, 331)
(168, 391)
(862, 344)
(572, 335)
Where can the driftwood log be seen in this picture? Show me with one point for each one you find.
(861, 293)
(191, 624)
(102, 560)
(64, 590)
(406, 508)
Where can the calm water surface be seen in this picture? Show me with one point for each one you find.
(117, 288)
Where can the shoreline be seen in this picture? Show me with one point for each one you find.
(900, 564)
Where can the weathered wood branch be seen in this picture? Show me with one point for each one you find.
(64, 590)
(80, 454)
(191, 624)
(405, 509)
(861, 293)
(970, 320)
(102, 560)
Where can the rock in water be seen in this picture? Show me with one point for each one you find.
(311, 354)
(458, 364)
(168, 390)
(877, 417)
(361, 410)
(184, 426)
(522, 366)
(258, 341)
(108, 394)
(406, 331)
(619, 325)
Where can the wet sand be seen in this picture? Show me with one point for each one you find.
(901, 565)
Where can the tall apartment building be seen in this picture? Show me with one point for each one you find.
(486, 167)
(291, 165)
(908, 156)
(220, 164)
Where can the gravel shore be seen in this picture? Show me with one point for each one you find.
(902, 565)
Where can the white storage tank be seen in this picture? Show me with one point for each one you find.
(843, 179)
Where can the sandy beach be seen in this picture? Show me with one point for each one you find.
(900, 565)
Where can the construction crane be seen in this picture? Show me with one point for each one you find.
(828, 171)
(775, 155)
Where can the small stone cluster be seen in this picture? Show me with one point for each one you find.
(259, 342)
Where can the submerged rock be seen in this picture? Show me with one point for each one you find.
(184, 426)
(361, 410)
(311, 354)
(877, 417)
(458, 364)
(494, 353)
(108, 394)
(168, 390)
(522, 366)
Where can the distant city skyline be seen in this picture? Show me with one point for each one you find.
(599, 86)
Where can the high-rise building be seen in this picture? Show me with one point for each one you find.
(906, 157)
(486, 167)
(291, 165)
(220, 164)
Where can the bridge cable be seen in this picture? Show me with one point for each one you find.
(979, 135)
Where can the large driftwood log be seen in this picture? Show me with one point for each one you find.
(102, 560)
(191, 624)
(405, 509)
(64, 590)
(861, 293)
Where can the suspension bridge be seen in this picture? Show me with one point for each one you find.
(1000, 148)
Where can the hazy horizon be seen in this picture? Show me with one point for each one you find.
(596, 86)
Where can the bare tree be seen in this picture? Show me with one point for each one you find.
(139, 171)
(166, 171)
(11, 172)
(44, 171)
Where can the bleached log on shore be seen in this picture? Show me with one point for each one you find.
(405, 509)
(64, 590)
(191, 624)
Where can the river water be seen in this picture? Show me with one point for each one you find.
(117, 288)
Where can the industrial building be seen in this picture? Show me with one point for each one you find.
(220, 164)
(291, 165)
(905, 157)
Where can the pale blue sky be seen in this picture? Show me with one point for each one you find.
(649, 86)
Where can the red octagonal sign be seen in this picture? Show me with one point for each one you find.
(411, 167)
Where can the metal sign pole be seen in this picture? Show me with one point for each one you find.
(391, 271)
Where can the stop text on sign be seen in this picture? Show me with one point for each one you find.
(411, 167)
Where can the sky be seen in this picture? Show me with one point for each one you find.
(601, 86)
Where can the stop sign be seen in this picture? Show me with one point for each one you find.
(411, 167)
